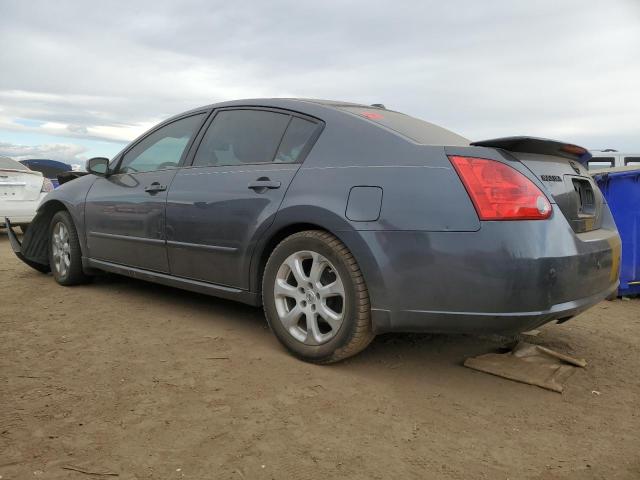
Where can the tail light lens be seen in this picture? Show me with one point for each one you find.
(47, 185)
(500, 192)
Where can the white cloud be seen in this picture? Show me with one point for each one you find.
(59, 151)
(561, 69)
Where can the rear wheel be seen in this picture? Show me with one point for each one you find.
(65, 257)
(315, 298)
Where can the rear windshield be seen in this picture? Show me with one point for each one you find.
(417, 130)
(9, 164)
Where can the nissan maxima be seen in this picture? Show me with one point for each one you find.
(341, 220)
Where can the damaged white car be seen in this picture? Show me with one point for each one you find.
(21, 191)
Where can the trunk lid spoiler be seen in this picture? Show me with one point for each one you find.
(543, 146)
(17, 170)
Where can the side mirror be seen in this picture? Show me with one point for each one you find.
(98, 166)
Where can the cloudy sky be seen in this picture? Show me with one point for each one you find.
(80, 79)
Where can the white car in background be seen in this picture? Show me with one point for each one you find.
(21, 191)
(612, 159)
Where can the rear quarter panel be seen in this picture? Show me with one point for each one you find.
(420, 189)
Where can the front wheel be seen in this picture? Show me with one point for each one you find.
(315, 298)
(65, 257)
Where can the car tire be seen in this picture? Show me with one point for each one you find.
(65, 256)
(315, 298)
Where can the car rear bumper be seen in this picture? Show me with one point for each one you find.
(19, 211)
(483, 322)
(507, 277)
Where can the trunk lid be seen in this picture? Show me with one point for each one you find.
(17, 185)
(572, 188)
(560, 167)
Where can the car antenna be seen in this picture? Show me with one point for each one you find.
(378, 105)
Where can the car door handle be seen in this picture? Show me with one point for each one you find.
(155, 187)
(263, 184)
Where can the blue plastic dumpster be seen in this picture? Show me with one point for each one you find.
(621, 188)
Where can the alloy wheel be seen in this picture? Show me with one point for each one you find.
(61, 249)
(309, 297)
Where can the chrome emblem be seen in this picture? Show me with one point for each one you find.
(575, 167)
(550, 178)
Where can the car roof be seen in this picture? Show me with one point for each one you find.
(596, 153)
(317, 107)
(333, 103)
(282, 102)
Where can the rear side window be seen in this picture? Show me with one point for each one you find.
(237, 137)
(417, 130)
(601, 162)
(296, 140)
(632, 161)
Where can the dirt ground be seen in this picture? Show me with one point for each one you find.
(144, 381)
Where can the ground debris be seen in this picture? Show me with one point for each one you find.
(89, 472)
(527, 363)
(531, 333)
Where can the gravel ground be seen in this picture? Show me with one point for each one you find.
(144, 381)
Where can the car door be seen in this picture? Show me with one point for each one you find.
(218, 207)
(125, 211)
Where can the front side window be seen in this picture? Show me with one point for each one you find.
(238, 137)
(632, 161)
(163, 148)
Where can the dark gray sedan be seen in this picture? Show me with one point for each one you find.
(341, 220)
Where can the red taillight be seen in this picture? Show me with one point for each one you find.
(500, 192)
